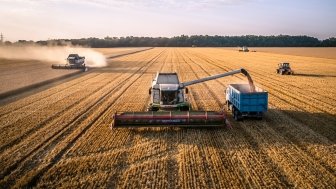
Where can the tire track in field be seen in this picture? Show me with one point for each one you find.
(322, 131)
(32, 177)
(35, 99)
(205, 85)
(65, 92)
(265, 83)
(312, 152)
(192, 156)
(38, 124)
(256, 59)
(82, 145)
(137, 155)
(53, 92)
(64, 129)
(18, 130)
(297, 89)
(258, 155)
(284, 87)
(41, 144)
(107, 119)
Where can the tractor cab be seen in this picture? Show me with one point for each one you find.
(284, 68)
(284, 65)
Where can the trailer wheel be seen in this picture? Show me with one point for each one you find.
(228, 105)
(236, 115)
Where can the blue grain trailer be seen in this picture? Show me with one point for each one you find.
(245, 103)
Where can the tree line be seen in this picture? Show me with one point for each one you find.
(195, 40)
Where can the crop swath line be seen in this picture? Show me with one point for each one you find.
(109, 112)
(327, 167)
(35, 108)
(270, 86)
(44, 97)
(33, 67)
(290, 136)
(296, 125)
(55, 115)
(126, 165)
(251, 143)
(15, 165)
(205, 85)
(120, 106)
(64, 127)
(279, 83)
(285, 152)
(299, 89)
(34, 178)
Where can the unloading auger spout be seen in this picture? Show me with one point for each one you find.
(241, 70)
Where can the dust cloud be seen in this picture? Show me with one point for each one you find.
(55, 54)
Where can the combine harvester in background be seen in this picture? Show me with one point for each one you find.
(169, 105)
(244, 49)
(74, 61)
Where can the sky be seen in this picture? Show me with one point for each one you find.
(65, 19)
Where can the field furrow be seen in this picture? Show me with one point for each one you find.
(60, 137)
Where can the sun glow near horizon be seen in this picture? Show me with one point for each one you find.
(41, 20)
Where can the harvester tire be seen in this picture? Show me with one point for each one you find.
(184, 108)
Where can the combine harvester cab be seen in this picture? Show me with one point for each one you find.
(74, 61)
(169, 105)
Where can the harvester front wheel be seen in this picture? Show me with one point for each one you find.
(154, 109)
(184, 108)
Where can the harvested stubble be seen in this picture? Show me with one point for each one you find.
(72, 145)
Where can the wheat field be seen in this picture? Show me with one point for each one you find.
(60, 136)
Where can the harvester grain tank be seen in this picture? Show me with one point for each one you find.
(169, 105)
(284, 69)
(74, 61)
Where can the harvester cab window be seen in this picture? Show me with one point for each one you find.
(169, 97)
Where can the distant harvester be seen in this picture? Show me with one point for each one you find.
(244, 49)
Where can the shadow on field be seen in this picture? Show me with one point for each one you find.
(289, 127)
(313, 75)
